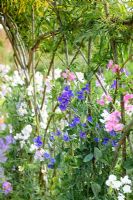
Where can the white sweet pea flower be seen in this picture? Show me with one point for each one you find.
(80, 76)
(116, 185)
(16, 79)
(127, 189)
(126, 180)
(25, 136)
(48, 84)
(30, 90)
(5, 90)
(39, 81)
(39, 155)
(105, 115)
(18, 136)
(110, 180)
(33, 147)
(44, 117)
(113, 183)
(121, 196)
(27, 129)
(22, 109)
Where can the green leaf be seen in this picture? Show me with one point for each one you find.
(88, 157)
(97, 153)
(128, 164)
(96, 188)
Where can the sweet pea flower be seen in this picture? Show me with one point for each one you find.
(127, 189)
(112, 121)
(110, 64)
(105, 99)
(113, 183)
(70, 76)
(121, 196)
(114, 67)
(7, 187)
(127, 97)
(126, 180)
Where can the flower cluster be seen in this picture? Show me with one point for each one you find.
(105, 99)
(70, 76)
(38, 141)
(75, 121)
(114, 67)
(17, 79)
(83, 91)
(112, 121)
(127, 105)
(65, 98)
(42, 155)
(123, 186)
(24, 135)
(22, 109)
(7, 187)
(4, 146)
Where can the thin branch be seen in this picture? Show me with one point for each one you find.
(37, 43)
(49, 69)
(95, 73)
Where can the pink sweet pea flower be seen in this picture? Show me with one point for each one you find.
(127, 97)
(112, 122)
(64, 75)
(118, 127)
(110, 64)
(101, 102)
(70, 76)
(105, 99)
(115, 68)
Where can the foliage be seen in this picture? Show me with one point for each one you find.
(66, 105)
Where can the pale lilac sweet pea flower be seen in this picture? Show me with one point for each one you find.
(7, 187)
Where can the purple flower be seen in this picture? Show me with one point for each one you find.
(84, 125)
(89, 118)
(52, 160)
(114, 84)
(50, 166)
(75, 121)
(96, 139)
(3, 158)
(3, 146)
(80, 95)
(86, 88)
(105, 141)
(46, 155)
(66, 137)
(82, 135)
(65, 98)
(112, 133)
(9, 139)
(52, 138)
(7, 187)
(38, 141)
(114, 143)
(58, 133)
